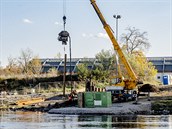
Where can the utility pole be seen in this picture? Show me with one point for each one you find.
(117, 17)
(117, 62)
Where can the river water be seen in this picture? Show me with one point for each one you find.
(37, 120)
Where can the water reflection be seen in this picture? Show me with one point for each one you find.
(37, 120)
(126, 121)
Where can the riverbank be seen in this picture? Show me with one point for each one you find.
(160, 103)
(126, 108)
(154, 106)
(60, 105)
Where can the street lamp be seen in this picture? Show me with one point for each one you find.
(117, 17)
(70, 64)
(117, 63)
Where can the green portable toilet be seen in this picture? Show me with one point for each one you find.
(89, 99)
(106, 99)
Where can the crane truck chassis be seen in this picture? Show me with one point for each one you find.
(120, 94)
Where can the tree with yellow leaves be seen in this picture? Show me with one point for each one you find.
(144, 70)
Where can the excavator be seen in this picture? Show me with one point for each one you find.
(124, 88)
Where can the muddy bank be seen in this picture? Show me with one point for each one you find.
(127, 108)
(11, 84)
(58, 104)
(143, 107)
(44, 107)
(156, 106)
(56, 101)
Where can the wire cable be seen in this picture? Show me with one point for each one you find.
(64, 7)
(64, 13)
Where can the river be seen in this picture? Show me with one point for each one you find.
(38, 120)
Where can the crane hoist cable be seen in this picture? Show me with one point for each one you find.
(64, 13)
(64, 7)
(64, 35)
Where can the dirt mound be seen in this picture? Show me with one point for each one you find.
(165, 88)
(148, 88)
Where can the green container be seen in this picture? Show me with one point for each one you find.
(98, 95)
(97, 99)
(89, 99)
(102, 99)
(106, 99)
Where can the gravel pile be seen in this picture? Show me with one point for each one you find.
(127, 108)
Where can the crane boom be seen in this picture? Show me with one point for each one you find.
(132, 81)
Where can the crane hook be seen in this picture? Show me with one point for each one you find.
(64, 20)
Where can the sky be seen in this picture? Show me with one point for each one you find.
(35, 25)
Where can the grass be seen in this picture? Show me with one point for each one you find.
(161, 105)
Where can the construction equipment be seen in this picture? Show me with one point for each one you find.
(29, 101)
(124, 84)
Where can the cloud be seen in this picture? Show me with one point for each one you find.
(87, 35)
(84, 35)
(58, 24)
(27, 21)
(102, 35)
(99, 35)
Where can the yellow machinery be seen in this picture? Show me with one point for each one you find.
(125, 84)
(29, 101)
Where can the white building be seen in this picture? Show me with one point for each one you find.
(164, 67)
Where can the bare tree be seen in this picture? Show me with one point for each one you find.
(58, 55)
(35, 65)
(24, 59)
(11, 62)
(12, 66)
(135, 40)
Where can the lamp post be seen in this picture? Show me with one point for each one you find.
(70, 64)
(117, 17)
(117, 63)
